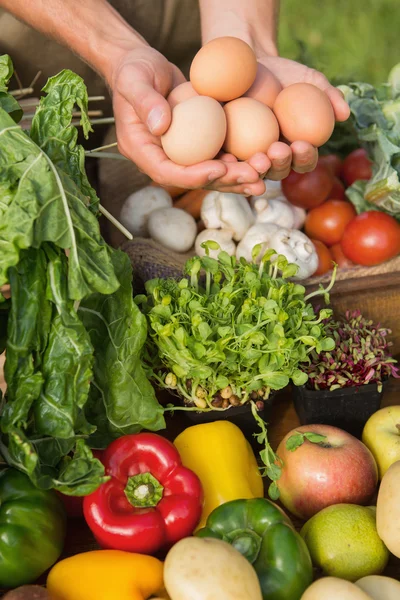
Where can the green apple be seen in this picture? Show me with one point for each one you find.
(382, 436)
(343, 542)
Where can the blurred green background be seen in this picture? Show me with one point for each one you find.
(348, 40)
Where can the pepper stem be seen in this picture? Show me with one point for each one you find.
(143, 490)
(247, 542)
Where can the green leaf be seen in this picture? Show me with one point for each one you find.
(299, 377)
(80, 474)
(294, 441)
(122, 400)
(53, 132)
(315, 438)
(39, 203)
(273, 491)
(28, 329)
(67, 361)
(7, 102)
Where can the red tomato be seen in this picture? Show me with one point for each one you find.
(333, 162)
(337, 191)
(339, 258)
(308, 190)
(325, 263)
(371, 238)
(327, 222)
(356, 166)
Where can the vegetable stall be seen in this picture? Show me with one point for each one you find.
(159, 433)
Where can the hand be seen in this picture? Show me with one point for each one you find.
(140, 83)
(300, 156)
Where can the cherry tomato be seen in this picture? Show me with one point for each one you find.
(325, 263)
(327, 222)
(356, 166)
(333, 162)
(339, 257)
(337, 191)
(371, 238)
(308, 190)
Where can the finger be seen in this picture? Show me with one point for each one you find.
(254, 189)
(339, 104)
(260, 162)
(305, 157)
(280, 156)
(228, 158)
(238, 173)
(137, 87)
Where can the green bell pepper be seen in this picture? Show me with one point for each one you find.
(266, 537)
(32, 529)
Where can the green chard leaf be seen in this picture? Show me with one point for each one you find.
(122, 400)
(7, 102)
(67, 361)
(53, 132)
(40, 203)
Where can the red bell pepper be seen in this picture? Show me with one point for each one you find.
(151, 500)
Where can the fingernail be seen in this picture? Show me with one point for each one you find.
(240, 180)
(280, 162)
(247, 192)
(154, 118)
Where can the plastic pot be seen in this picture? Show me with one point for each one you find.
(347, 408)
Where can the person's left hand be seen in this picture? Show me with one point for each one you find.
(300, 156)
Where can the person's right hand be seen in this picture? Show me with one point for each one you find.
(140, 83)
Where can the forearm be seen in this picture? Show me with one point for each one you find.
(91, 28)
(254, 21)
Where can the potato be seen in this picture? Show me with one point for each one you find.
(209, 569)
(28, 592)
(332, 588)
(388, 509)
(379, 587)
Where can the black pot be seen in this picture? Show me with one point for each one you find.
(238, 415)
(347, 408)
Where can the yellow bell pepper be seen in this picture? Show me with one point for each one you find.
(106, 575)
(223, 460)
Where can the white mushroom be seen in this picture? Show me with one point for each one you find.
(275, 211)
(137, 208)
(298, 249)
(261, 233)
(222, 236)
(299, 214)
(173, 228)
(227, 211)
(273, 189)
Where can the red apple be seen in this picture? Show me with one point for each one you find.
(339, 469)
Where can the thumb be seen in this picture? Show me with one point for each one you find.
(151, 107)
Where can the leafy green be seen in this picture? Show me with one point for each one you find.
(40, 203)
(53, 132)
(122, 399)
(73, 378)
(247, 326)
(8, 102)
(376, 117)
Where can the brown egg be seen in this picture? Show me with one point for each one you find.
(223, 69)
(305, 113)
(266, 87)
(251, 127)
(182, 92)
(197, 131)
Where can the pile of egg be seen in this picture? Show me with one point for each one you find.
(234, 104)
